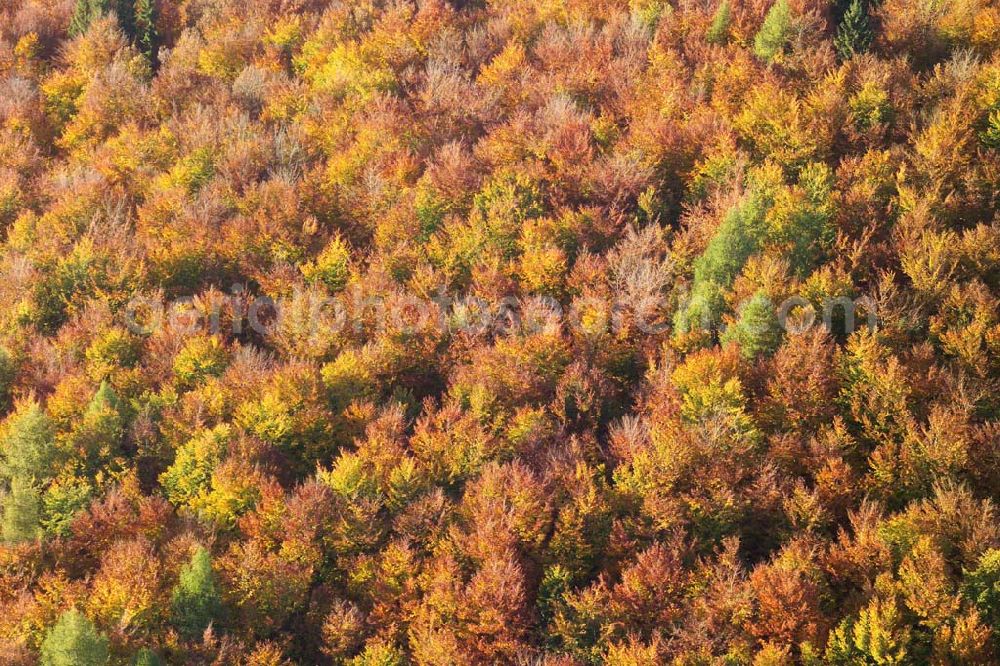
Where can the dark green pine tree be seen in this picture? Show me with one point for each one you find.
(146, 39)
(195, 602)
(85, 13)
(125, 12)
(854, 34)
(88, 11)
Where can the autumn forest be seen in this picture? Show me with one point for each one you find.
(533, 332)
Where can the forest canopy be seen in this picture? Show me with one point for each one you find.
(562, 332)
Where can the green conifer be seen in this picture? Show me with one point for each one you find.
(757, 331)
(991, 135)
(125, 13)
(737, 238)
(86, 12)
(195, 601)
(8, 372)
(146, 38)
(29, 451)
(854, 34)
(775, 32)
(982, 587)
(99, 433)
(718, 32)
(21, 512)
(74, 641)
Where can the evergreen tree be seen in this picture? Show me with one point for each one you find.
(104, 412)
(719, 30)
(8, 372)
(146, 39)
(737, 238)
(991, 135)
(21, 512)
(125, 13)
(195, 601)
(702, 311)
(98, 434)
(29, 449)
(775, 32)
(105, 397)
(74, 641)
(982, 587)
(551, 592)
(854, 34)
(757, 331)
(85, 13)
